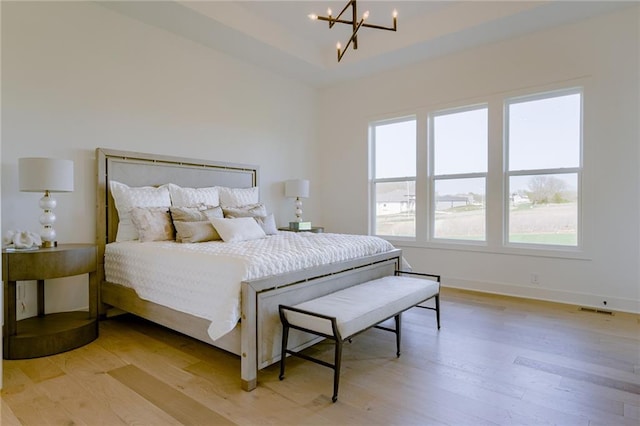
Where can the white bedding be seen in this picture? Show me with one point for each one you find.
(203, 279)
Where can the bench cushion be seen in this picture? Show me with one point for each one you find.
(362, 306)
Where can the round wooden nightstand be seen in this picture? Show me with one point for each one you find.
(49, 334)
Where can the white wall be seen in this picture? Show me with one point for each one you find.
(603, 54)
(77, 76)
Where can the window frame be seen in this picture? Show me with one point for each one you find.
(433, 177)
(578, 171)
(373, 181)
(497, 185)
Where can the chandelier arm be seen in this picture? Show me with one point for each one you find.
(334, 20)
(353, 37)
(379, 27)
(342, 21)
(351, 2)
(356, 25)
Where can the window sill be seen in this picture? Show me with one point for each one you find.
(482, 247)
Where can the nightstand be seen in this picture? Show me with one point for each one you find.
(48, 334)
(314, 229)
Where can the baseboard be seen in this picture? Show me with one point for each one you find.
(546, 294)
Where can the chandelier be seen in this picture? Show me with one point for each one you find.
(354, 22)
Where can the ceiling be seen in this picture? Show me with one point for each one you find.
(279, 36)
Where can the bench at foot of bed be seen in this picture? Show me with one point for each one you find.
(341, 315)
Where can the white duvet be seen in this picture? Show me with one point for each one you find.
(203, 279)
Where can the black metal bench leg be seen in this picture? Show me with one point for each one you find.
(438, 310)
(283, 354)
(398, 337)
(336, 370)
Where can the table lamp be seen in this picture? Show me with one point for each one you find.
(46, 175)
(297, 188)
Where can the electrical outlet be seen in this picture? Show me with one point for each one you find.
(535, 279)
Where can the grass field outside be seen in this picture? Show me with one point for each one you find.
(553, 224)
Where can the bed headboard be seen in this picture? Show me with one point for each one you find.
(139, 169)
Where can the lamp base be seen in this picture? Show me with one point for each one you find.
(47, 220)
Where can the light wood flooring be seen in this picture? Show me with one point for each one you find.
(496, 360)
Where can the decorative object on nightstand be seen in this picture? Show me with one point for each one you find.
(297, 188)
(46, 175)
(314, 229)
(21, 240)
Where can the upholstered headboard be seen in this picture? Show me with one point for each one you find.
(139, 169)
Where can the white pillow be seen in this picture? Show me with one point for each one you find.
(126, 198)
(193, 197)
(236, 197)
(240, 229)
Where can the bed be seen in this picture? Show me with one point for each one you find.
(255, 335)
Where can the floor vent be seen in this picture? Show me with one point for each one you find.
(596, 310)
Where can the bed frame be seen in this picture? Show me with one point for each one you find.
(256, 338)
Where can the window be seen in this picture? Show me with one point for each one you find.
(502, 173)
(459, 154)
(393, 147)
(543, 140)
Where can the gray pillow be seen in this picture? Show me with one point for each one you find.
(195, 232)
(250, 210)
(192, 223)
(267, 223)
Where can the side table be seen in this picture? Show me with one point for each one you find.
(48, 334)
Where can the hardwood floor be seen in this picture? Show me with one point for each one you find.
(496, 360)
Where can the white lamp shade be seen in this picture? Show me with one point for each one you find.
(296, 188)
(45, 174)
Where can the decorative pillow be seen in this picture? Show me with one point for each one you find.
(267, 223)
(235, 197)
(192, 223)
(152, 223)
(240, 229)
(126, 198)
(250, 210)
(193, 197)
(195, 232)
(195, 214)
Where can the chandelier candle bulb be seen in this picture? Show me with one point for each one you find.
(395, 20)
